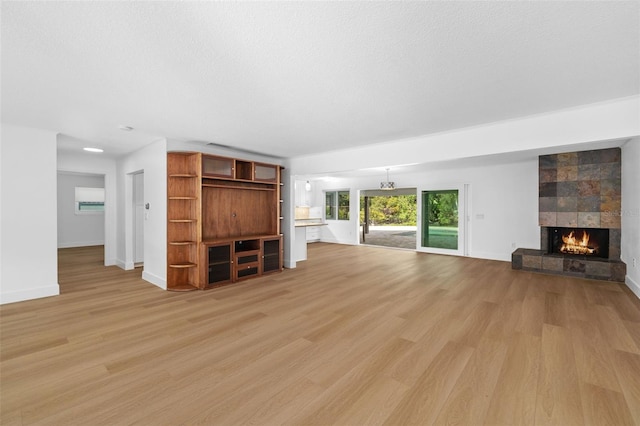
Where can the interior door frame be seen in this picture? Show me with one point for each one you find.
(129, 218)
(463, 203)
(138, 228)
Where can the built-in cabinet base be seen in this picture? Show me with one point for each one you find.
(238, 259)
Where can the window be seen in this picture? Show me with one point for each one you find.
(337, 205)
(89, 200)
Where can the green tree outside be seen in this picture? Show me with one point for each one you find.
(443, 208)
(398, 210)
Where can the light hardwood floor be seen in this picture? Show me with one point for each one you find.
(354, 336)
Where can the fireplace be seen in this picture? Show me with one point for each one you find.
(580, 197)
(586, 242)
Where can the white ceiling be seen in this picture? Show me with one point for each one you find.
(295, 78)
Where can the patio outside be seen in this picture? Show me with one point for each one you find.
(390, 236)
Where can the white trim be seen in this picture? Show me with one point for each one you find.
(633, 286)
(334, 241)
(154, 279)
(491, 256)
(79, 212)
(32, 293)
(81, 244)
(127, 266)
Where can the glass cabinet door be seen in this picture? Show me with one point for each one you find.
(218, 166)
(266, 172)
(271, 255)
(219, 257)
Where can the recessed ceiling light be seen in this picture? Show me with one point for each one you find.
(125, 128)
(93, 149)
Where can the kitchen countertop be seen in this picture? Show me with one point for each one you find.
(309, 222)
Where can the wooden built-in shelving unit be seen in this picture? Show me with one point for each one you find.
(183, 220)
(223, 220)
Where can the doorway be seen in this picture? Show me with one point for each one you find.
(138, 219)
(81, 221)
(388, 218)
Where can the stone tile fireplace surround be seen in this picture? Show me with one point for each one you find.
(578, 190)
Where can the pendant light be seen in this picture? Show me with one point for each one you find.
(388, 185)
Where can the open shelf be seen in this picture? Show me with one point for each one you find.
(183, 265)
(211, 185)
(183, 287)
(183, 218)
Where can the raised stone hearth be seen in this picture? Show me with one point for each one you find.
(575, 266)
(578, 190)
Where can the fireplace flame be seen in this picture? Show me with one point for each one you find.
(573, 245)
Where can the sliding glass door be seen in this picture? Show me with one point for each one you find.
(440, 219)
(441, 224)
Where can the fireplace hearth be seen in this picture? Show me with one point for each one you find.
(585, 242)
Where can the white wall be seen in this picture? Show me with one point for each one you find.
(630, 248)
(92, 163)
(78, 230)
(152, 160)
(505, 195)
(28, 237)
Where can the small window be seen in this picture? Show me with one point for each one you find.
(89, 200)
(330, 203)
(337, 205)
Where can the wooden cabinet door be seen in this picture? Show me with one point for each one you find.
(219, 264)
(271, 254)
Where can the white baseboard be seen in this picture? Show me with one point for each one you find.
(334, 241)
(110, 262)
(154, 279)
(29, 294)
(491, 256)
(127, 266)
(80, 244)
(633, 286)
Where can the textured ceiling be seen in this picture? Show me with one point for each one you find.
(294, 78)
